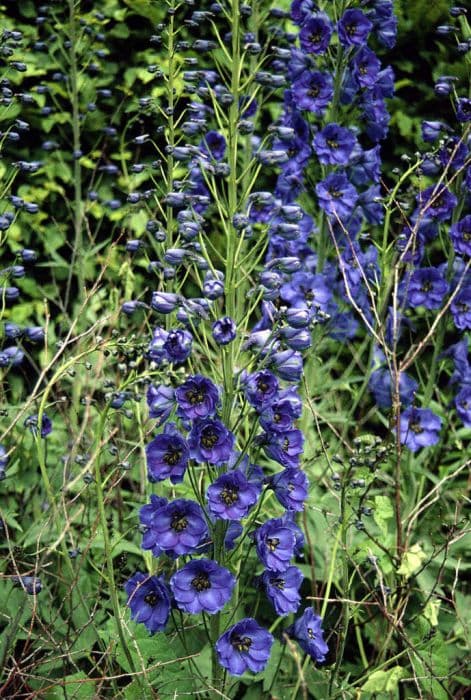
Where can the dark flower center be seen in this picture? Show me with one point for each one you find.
(310, 633)
(241, 643)
(466, 236)
(336, 194)
(416, 428)
(426, 287)
(179, 522)
(314, 91)
(172, 457)
(332, 144)
(209, 438)
(351, 29)
(285, 444)
(262, 385)
(195, 396)
(229, 496)
(273, 543)
(151, 599)
(276, 417)
(315, 38)
(278, 583)
(201, 582)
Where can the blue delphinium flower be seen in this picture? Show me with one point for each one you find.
(177, 345)
(307, 630)
(46, 425)
(11, 356)
(460, 234)
(275, 542)
(461, 309)
(313, 91)
(353, 28)
(210, 441)
(380, 385)
(30, 584)
(291, 488)
(149, 600)
(224, 330)
(285, 448)
(366, 67)
(419, 427)
(261, 388)
(197, 397)
(231, 496)
(176, 528)
(280, 415)
(425, 287)
(161, 401)
(334, 144)
(463, 405)
(244, 647)
(282, 589)
(437, 202)
(315, 34)
(167, 456)
(336, 196)
(202, 585)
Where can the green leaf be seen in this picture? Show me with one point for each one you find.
(383, 511)
(384, 681)
(431, 611)
(411, 561)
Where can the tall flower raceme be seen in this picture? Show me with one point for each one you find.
(226, 432)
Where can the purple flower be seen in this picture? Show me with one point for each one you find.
(165, 302)
(214, 145)
(11, 356)
(381, 386)
(261, 388)
(307, 290)
(308, 632)
(46, 425)
(231, 496)
(282, 589)
(315, 34)
(177, 346)
(460, 234)
(425, 287)
(178, 527)
(279, 416)
(431, 130)
(287, 364)
(198, 397)
(461, 309)
(149, 600)
(337, 197)
(334, 144)
(156, 351)
(463, 109)
(224, 330)
(244, 647)
(313, 91)
(285, 448)
(30, 584)
(291, 488)
(202, 585)
(463, 405)
(437, 202)
(353, 28)
(210, 441)
(419, 427)
(366, 67)
(161, 400)
(167, 456)
(275, 542)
